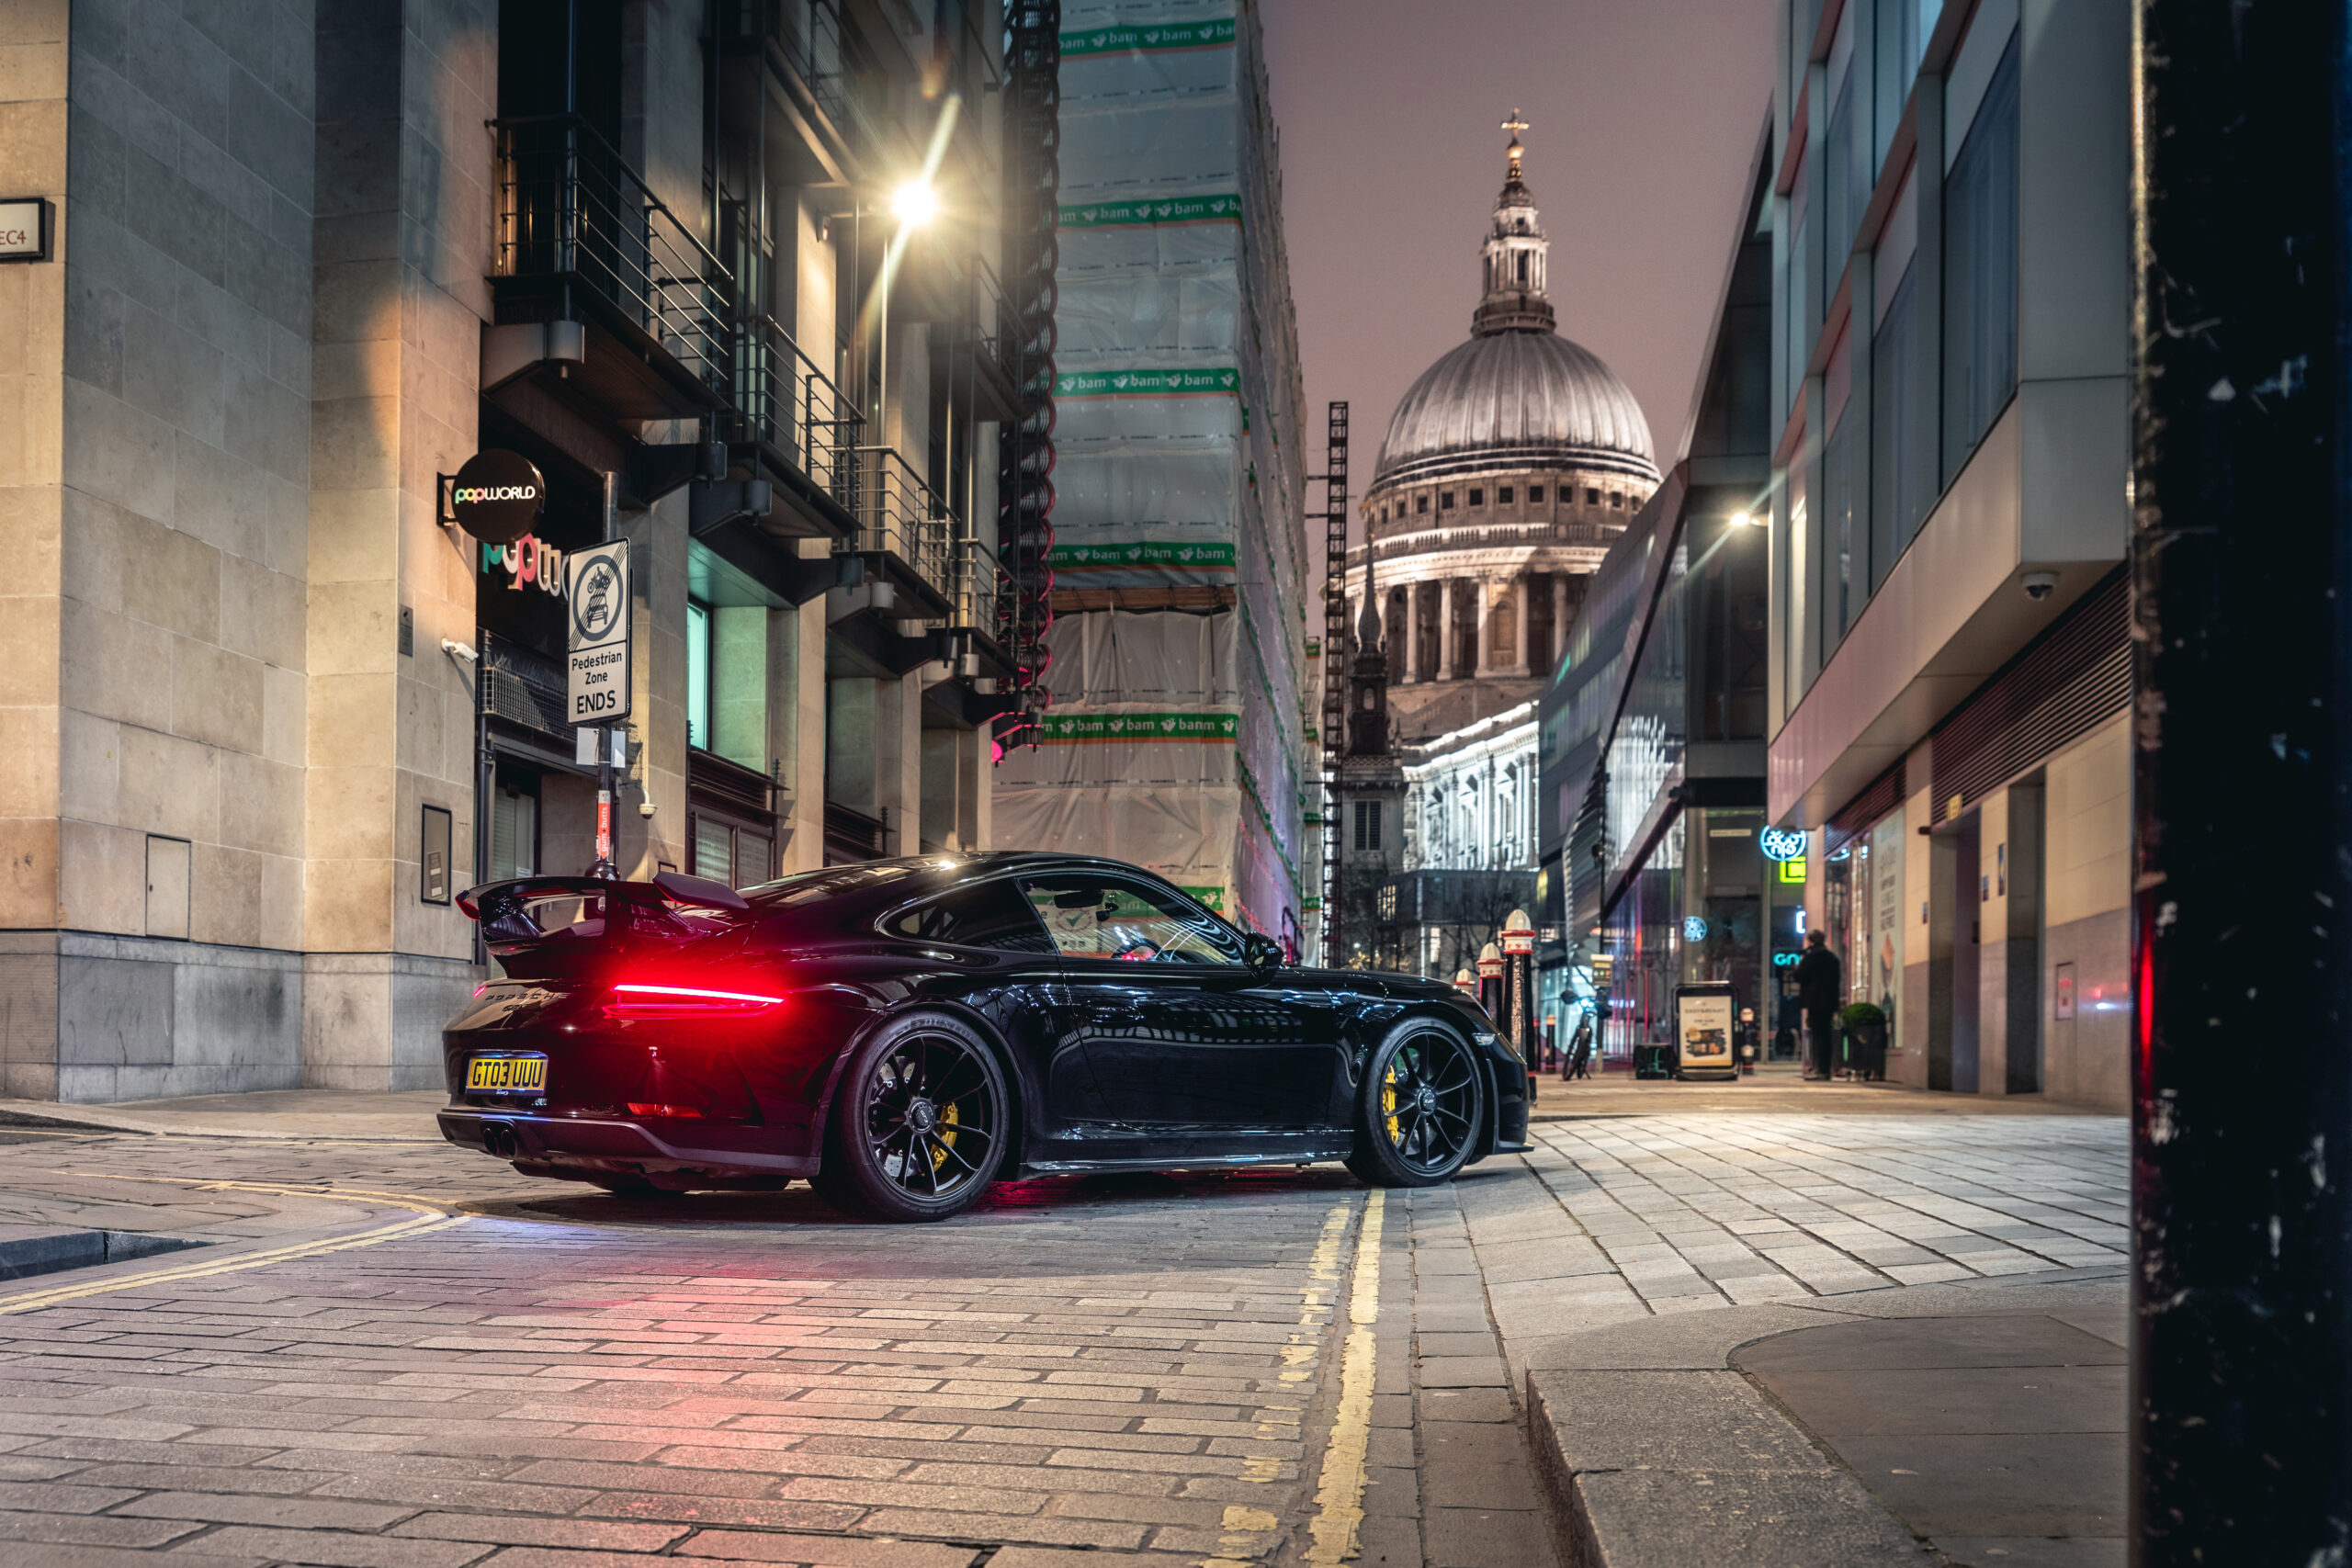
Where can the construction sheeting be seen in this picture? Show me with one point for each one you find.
(1174, 739)
(1163, 659)
(1185, 834)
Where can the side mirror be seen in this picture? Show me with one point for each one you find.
(1261, 952)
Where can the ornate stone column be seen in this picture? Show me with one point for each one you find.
(1447, 593)
(1524, 592)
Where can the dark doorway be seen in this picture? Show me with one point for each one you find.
(1967, 937)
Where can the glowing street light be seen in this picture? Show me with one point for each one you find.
(915, 203)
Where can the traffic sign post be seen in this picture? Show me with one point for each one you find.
(597, 685)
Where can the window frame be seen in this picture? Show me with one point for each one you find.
(886, 923)
(1226, 937)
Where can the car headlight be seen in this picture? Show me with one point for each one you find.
(1490, 1041)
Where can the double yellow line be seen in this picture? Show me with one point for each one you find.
(1339, 1501)
(428, 1217)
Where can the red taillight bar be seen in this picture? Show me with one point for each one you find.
(688, 996)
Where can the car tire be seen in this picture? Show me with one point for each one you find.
(1418, 1108)
(913, 1101)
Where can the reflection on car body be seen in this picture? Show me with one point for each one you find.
(904, 1032)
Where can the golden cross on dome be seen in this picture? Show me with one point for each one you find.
(1515, 151)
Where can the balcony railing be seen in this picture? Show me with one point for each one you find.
(789, 405)
(808, 33)
(570, 207)
(1475, 535)
(898, 513)
(978, 575)
(525, 686)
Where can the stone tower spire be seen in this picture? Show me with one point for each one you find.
(1516, 255)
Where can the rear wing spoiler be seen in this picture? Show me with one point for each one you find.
(540, 911)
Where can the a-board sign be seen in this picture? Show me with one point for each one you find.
(596, 601)
(1703, 1039)
(497, 496)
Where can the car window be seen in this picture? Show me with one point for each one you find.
(1098, 917)
(988, 914)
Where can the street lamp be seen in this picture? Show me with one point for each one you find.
(915, 203)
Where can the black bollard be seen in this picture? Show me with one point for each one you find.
(2242, 556)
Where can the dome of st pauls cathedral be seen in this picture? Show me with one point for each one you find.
(1507, 468)
(1520, 397)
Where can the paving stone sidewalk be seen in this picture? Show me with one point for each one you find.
(1647, 1249)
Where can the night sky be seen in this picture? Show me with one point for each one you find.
(1646, 117)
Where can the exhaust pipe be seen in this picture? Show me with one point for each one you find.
(498, 1139)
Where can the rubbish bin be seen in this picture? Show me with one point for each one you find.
(1863, 1029)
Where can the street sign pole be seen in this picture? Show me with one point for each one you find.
(2242, 632)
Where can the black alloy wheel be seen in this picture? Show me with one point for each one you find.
(918, 1125)
(1419, 1109)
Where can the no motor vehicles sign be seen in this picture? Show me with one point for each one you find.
(596, 593)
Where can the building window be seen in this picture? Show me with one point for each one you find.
(1445, 501)
(1981, 269)
(1591, 497)
(1502, 495)
(1903, 434)
(1478, 497)
(1534, 494)
(1616, 499)
(1420, 503)
(1840, 597)
(697, 676)
(514, 830)
(722, 852)
(1367, 827)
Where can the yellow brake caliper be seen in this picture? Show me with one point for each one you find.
(946, 1135)
(1389, 1104)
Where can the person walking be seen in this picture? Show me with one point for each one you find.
(1821, 984)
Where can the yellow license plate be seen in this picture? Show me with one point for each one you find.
(506, 1075)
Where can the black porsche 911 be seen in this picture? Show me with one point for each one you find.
(904, 1032)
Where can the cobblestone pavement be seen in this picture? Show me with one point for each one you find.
(405, 1355)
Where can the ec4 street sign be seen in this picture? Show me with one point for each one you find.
(596, 591)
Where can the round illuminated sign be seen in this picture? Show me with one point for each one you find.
(497, 496)
(1694, 928)
(1782, 843)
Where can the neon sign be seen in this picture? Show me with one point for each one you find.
(1782, 843)
(529, 562)
(1694, 928)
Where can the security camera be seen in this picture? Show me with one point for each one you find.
(645, 808)
(2040, 585)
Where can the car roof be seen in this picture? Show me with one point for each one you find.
(880, 883)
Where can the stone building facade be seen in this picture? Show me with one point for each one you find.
(255, 696)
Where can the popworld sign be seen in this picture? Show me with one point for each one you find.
(497, 496)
